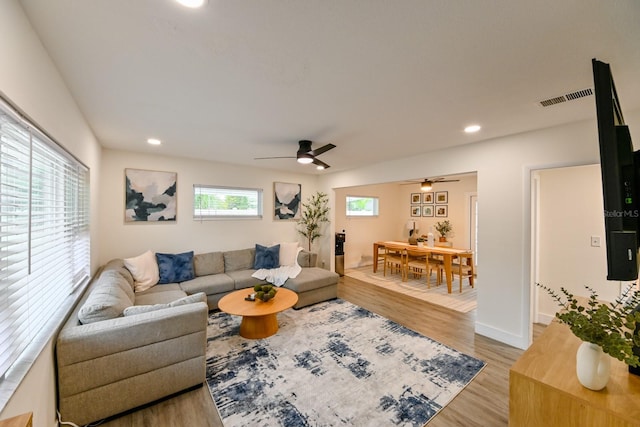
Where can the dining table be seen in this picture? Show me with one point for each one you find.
(448, 254)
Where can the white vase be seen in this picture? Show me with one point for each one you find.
(593, 366)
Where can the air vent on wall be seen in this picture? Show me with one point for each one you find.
(567, 97)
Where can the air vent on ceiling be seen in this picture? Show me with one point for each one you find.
(567, 97)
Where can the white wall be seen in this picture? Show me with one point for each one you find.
(570, 212)
(31, 81)
(503, 168)
(361, 232)
(120, 239)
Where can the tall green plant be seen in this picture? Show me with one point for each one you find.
(315, 212)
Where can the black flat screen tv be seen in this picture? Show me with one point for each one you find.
(619, 165)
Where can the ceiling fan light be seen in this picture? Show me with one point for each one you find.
(305, 159)
(425, 186)
(320, 167)
(193, 4)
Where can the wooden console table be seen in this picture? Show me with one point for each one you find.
(544, 388)
(23, 420)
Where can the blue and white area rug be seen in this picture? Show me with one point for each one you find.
(332, 364)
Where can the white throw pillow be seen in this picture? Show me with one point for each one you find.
(289, 253)
(144, 269)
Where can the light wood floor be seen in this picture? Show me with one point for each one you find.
(485, 402)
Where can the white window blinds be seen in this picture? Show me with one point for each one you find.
(44, 232)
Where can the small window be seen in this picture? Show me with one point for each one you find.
(210, 202)
(362, 206)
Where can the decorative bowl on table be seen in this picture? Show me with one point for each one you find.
(265, 292)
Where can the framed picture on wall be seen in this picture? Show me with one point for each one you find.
(287, 199)
(150, 196)
(415, 210)
(442, 197)
(427, 198)
(442, 210)
(415, 198)
(427, 210)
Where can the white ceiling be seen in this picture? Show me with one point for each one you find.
(380, 79)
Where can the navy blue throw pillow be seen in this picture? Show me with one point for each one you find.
(267, 257)
(175, 267)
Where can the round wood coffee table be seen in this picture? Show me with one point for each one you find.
(259, 319)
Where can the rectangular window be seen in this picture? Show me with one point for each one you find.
(362, 206)
(212, 202)
(44, 232)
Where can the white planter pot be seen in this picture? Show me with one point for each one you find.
(420, 244)
(593, 366)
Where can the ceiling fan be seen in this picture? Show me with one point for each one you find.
(427, 183)
(306, 155)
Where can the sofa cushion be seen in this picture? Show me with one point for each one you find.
(144, 269)
(105, 301)
(267, 257)
(241, 259)
(118, 265)
(175, 267)
(160, 294)
(208, 263)
(137, 309)
(114, 278)
(311, 278)
(211, 284)
(242, 279)
(307, 259)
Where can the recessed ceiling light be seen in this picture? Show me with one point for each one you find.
(320, 167)
(154, 141)
(472, 128)
(192, 3)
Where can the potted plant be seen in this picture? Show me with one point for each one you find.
(420, 241)
(608, 328)
(315, 212)
(444, 228)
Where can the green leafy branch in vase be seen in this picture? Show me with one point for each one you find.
(612, 326)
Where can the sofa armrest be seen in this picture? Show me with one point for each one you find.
(307, 259)
(108, 367)
(85, 342)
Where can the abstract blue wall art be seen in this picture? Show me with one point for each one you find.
(150, 196)
(287, 199)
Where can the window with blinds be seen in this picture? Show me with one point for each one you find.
(44, 232)
(210, 202)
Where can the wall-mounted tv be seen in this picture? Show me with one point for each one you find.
(619, 166)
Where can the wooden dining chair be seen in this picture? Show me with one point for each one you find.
(463, 267)
(380, 255)
(395, 259)
(419, 264)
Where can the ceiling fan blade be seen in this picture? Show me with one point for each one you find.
(281, 157)
(318, 162)
(322, 149)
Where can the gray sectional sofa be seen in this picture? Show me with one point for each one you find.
(218, 273)
(132, 348)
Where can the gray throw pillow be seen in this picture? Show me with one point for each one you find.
(138, 309)
(106, 301)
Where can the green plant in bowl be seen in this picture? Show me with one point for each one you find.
(265, 292)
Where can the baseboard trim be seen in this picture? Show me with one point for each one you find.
(517, 341)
